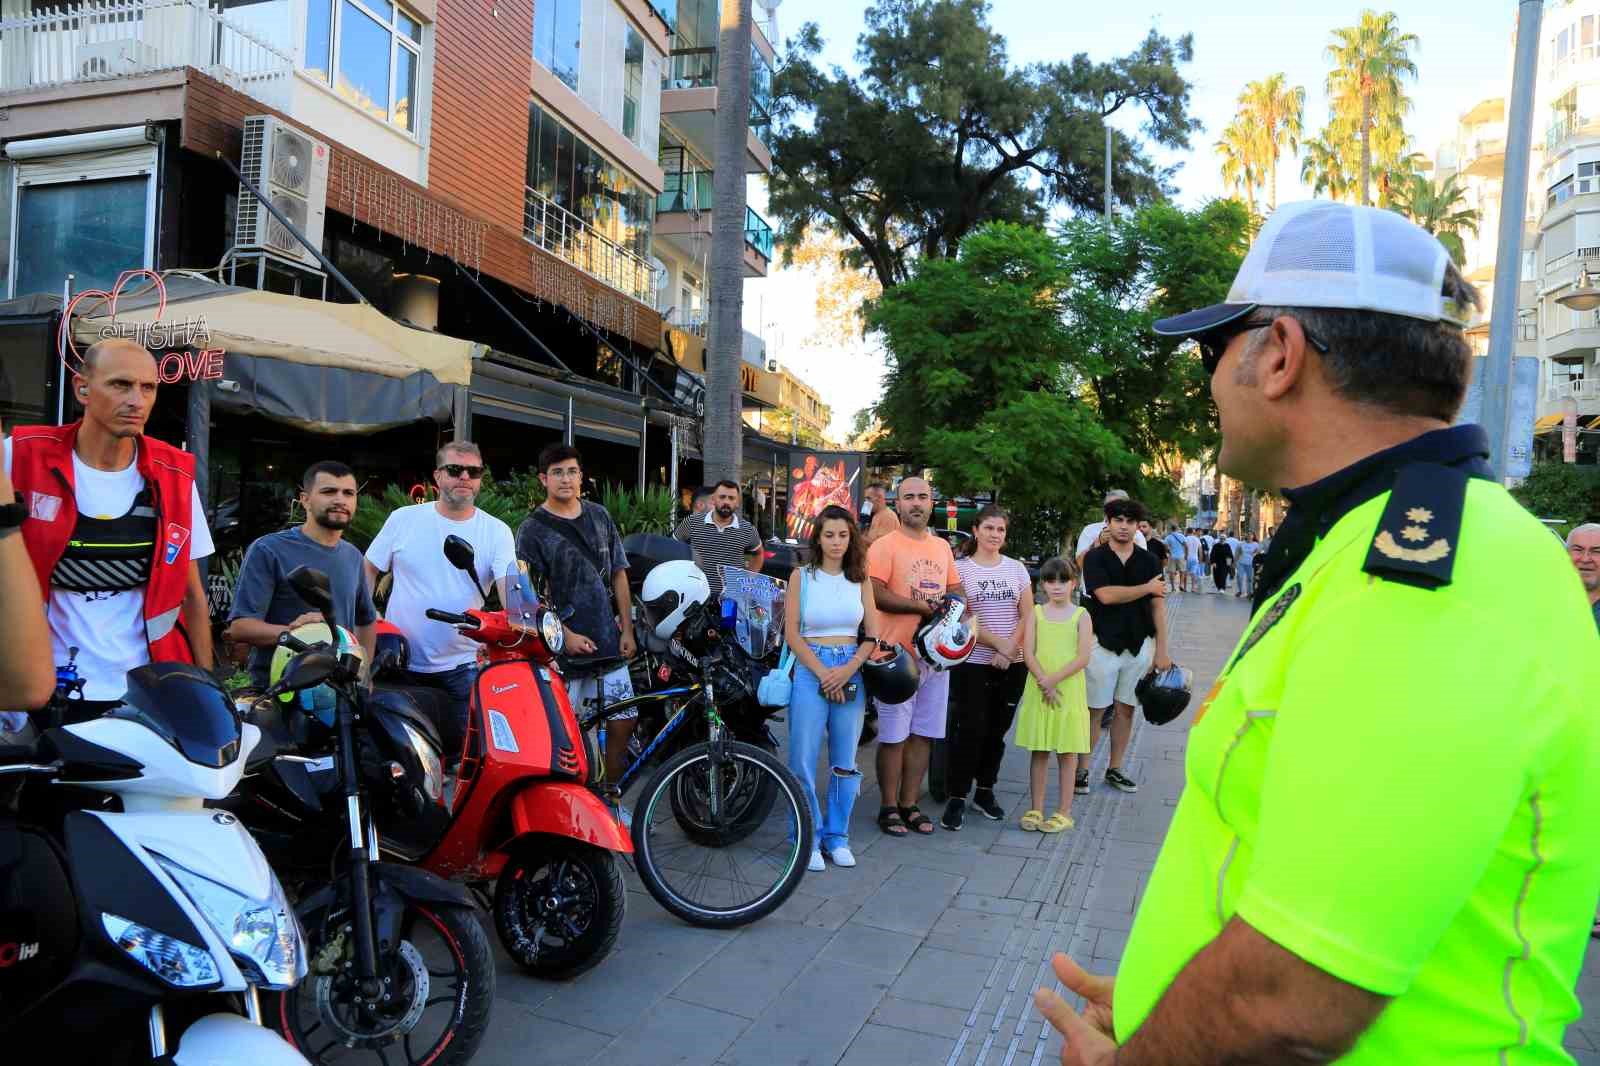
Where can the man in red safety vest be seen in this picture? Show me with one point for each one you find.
(114, 525)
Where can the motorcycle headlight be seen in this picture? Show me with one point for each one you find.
(555, 638)
(177, 962)
(432, 769)
(263, 935)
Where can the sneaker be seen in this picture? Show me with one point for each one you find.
(1120, 781)
(983, 799)
(816, 865)
(1080, 784)
(842, 856)
(954, 812)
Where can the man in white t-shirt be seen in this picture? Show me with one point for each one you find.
(411, 547)
(114, 527)
(1196, 566)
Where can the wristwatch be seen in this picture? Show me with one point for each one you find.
(11, 516)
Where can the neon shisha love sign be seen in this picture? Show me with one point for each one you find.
(182, 347)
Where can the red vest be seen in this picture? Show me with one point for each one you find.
(41, 471)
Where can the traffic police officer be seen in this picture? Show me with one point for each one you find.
(1384, 850)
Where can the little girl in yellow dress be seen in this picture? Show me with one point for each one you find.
(1054, 716)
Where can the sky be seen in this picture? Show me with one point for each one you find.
(1464, 56)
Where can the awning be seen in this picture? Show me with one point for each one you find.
(1546, 423)
(296, 330)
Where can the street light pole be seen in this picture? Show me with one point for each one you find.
(1508, 252)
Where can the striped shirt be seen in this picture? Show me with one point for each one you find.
(994, 592)
(715, 546)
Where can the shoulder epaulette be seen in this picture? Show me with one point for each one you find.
(1418, 536)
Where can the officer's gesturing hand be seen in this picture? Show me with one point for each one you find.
(1087, 1033)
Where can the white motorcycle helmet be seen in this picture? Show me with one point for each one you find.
(671, 590)
(947, 638)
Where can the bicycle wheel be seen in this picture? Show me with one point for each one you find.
(750, 869)
(748, 796)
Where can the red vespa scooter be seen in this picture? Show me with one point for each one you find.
(522, 812)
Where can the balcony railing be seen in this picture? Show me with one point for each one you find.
(558, 231)
(1576, 388)
(97, 41)
(757, 234)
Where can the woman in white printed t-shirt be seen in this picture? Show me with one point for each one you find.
(985, 690)
(832, 604)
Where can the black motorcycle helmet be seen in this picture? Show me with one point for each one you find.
(891, 675)
(1164, 693)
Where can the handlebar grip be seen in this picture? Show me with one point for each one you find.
(448, 616)
(288, 640)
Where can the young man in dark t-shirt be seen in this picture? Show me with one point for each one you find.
(575, 554)
(1127, 604)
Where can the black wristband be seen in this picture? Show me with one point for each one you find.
(12, 516)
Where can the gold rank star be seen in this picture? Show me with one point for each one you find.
(1420, 515)
(1414, 533)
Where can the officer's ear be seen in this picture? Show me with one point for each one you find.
(1280, 361)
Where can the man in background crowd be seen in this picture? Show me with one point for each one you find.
(1583, 546)
(720, 538)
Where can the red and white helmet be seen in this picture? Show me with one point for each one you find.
(948, 636)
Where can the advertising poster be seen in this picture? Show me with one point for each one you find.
(818, 480)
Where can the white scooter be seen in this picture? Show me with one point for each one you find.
(133, 920)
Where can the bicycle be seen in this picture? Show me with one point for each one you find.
(722, 827)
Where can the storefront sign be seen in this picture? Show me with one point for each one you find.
(182, 347)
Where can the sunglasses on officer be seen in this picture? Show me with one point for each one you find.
(1215, 343)
(462, 470)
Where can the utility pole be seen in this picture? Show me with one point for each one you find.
(1508, 252)
(1108, 173)
(724, 438)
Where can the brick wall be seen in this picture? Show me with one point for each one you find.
(479, 142)
(430, 218)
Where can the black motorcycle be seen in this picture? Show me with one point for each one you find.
(401, 968)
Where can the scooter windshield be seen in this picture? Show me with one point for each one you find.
(522, 604)
(186, 708)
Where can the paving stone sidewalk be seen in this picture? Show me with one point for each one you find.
(925, 954)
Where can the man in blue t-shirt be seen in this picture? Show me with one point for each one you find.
(1177, 560)
(265, 604)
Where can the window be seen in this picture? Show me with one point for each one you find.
(556, 28)
(1588, 178)
(1559, 193)
(370, 51)
(1530, 265)
(1587, 51)
(632, 83)
(93, 229)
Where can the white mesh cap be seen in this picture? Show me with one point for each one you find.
(1322, 254)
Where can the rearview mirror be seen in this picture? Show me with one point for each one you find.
(308, 670)
(460, 553)
(313, 587)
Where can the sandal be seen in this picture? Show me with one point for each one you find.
(890, 822)
(1058, 821)
(1032, 820)
(917, 820)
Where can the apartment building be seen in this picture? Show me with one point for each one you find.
(1563, 254)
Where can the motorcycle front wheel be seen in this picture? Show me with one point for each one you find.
(559, 906)
(438, 990)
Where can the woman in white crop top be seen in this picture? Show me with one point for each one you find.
(829, 603)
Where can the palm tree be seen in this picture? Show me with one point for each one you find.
(1275, 111)
(1241, 154)
(1440, 209)
(1324, 167)
(1371, 59)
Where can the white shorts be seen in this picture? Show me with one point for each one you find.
(615, 686)
(1112, 676)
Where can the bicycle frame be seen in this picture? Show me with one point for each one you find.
(612, 710)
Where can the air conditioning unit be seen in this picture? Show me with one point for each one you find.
(112, 59)
(291, 170)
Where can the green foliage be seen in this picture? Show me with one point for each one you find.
(634, 512)
(1365, 136)
(1563, 491)
(508, 498)
(372, 512)
(939, 133)
(1440, 208)
(1027, 364)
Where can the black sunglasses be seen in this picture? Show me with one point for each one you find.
(459, 470)
(1214, 344)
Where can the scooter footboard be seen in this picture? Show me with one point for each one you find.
(564, 809)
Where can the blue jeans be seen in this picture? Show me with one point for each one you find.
(811, 716)
(457, 684)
